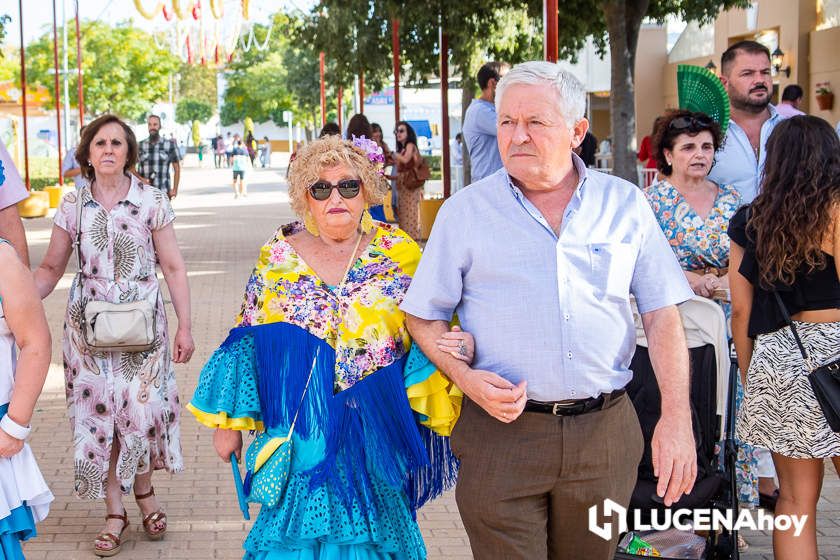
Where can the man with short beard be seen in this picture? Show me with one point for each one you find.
(745, 73)
(156, 154)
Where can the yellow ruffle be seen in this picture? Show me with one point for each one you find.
(438, 400)
(221, 420)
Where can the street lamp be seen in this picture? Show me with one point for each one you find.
(777, 59)
(711, 67)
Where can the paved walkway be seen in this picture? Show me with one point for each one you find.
(220, 237)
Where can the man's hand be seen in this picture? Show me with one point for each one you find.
(499, 397)
(674, 457)
(173, 193)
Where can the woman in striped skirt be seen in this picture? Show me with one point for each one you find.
(787, 242)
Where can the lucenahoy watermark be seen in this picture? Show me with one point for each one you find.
(693, 519)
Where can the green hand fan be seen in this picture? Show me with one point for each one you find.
(700, 90)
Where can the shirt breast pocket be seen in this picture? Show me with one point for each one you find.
(612, 268)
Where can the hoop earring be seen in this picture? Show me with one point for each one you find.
(367, 224)
(310, 224)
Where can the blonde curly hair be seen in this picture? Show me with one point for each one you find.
(332, 151)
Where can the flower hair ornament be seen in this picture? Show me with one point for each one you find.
(373, 152)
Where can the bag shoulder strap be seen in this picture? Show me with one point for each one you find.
(78, 244)
(793, 329)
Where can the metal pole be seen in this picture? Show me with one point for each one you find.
(57, 93)
(79, 68)
(362, 92)
(444, 113)
(550, 29)
(338, 106)
(23, 98)
(321, 59)
(395, 46)
(66, 77)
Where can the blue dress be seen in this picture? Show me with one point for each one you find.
(369, 443)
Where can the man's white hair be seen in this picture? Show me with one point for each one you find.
(571, 95)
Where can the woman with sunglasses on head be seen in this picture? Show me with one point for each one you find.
(407, 157)
(785, 262)
(694, 213)
(320, 344)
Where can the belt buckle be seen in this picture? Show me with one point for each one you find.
(559, 407)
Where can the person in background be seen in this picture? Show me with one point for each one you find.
(480, 123)
(391, 198)
(791, 100)
(251, 147)
(746, 76)
(330, 129)
(72, 168)
(155, 157)
(456, 154)
(219, 151)
(586, 150)
(407, 157)
(265, 152)
(786, 254)
(694, 213)
(647, 153)
(229, 145)
(12, 191)
(358, 126)
(240, 159)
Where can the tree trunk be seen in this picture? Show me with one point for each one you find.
(468, 87)
(624, 18)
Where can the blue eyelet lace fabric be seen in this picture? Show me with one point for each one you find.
(228, 382)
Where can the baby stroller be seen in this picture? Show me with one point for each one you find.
(712, 395)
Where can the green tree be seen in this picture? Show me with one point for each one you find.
(124, 72)
(199, 83)
(189, 110)
(477, 30)
(255, 79)
(5, 19)
(620, 21)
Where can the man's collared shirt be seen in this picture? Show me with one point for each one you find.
(480, 136)
(735, 162)
(787, 110)
(154, 161)
(550, 309)
(12, 187)
(71, 163)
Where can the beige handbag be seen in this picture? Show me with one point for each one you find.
(113, 327)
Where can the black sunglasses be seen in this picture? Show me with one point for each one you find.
(400, 130)
(347, 188)
(699, 122)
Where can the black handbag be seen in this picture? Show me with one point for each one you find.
(825, 380)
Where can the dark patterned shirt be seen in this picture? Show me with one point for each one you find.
(154, 160)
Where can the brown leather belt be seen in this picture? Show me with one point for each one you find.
(711, 270)
(574, 407)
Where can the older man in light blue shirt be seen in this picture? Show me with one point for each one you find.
(539, 261)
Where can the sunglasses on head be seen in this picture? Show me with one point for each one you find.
(347, 188)
(699, 122)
